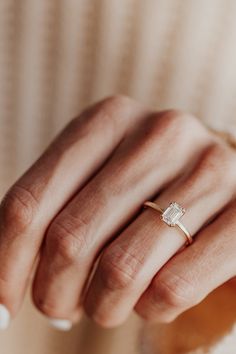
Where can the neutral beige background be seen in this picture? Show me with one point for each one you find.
(57, 56)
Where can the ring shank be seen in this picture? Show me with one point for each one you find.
(153, 206)
(187, 234)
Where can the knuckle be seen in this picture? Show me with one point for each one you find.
(174, 292)
(218, 159)
(19, 206)
(177, 126)
(117, 101)
(67, 239)
(216, 152)
(180, 122)
(110, 109)
(101, 111)
(119, 269)
(106, 113)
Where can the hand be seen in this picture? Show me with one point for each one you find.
(77, 214)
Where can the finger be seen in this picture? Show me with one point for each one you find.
(192, 274)
(42, 191)
(136, 170)
(132, 260)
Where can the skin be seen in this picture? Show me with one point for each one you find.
(76, 216)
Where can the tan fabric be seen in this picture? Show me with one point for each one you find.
(209, 327)
(58, 56)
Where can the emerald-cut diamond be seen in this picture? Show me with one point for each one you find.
(172, 214)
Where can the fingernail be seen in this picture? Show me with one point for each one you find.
(4, 317)
(62, 325)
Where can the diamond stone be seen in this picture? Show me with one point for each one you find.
(172, 214)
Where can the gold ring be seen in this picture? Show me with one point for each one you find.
(171, 216)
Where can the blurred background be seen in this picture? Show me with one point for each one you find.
(58, 56)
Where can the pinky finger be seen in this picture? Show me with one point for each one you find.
(189, 276)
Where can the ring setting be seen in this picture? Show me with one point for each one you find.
(171, 216)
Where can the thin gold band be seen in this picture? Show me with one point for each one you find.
(156, 207)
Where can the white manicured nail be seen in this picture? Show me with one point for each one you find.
(62, 325)
(4, 317)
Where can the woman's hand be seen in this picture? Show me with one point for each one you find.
(78, 213)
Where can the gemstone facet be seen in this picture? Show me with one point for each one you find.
(172, 214)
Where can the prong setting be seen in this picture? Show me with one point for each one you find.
(172, 214)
